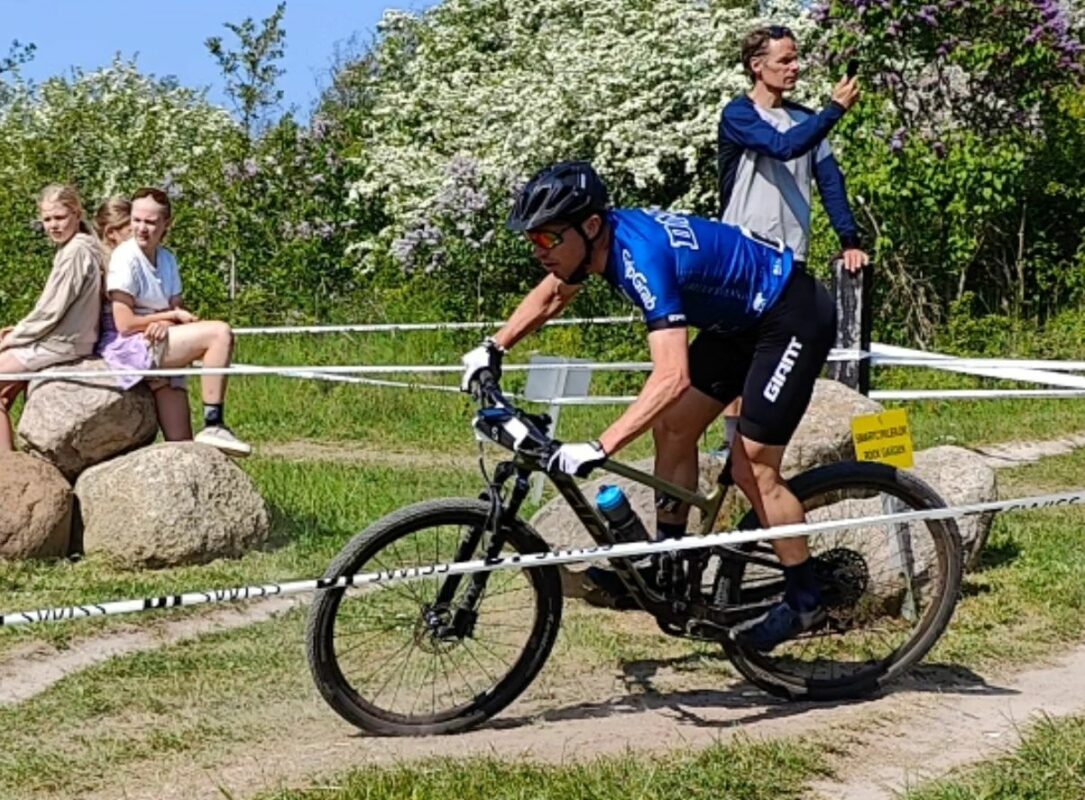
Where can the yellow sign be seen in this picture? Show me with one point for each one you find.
(883, 437)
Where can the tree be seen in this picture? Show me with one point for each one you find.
(252, 71)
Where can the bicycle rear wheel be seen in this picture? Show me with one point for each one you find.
(889, 591)
(396, 659)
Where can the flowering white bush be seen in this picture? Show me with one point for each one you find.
(467, 99)
(108, 132)
(109, 128)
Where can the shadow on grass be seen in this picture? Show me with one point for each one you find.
(998, 555)
(290, 528)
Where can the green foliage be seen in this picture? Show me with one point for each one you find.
(251, 72)
(964, 158)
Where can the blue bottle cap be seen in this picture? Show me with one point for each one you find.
(609, 497)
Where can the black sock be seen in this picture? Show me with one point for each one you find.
(670, 530)
(802, 591)
(212, 414)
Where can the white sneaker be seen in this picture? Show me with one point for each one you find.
(221, 437)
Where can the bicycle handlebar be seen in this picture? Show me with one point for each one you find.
(501, 422)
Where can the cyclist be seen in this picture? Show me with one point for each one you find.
(765, 330)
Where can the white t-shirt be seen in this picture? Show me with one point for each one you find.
(132, 272)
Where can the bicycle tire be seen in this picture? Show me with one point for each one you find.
(846, 482)
(362, 554)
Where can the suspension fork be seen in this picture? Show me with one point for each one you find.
(496, 525)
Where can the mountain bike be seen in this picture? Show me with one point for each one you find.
(444, 653)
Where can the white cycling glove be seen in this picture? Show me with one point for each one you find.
(486, 356)
(578, 458)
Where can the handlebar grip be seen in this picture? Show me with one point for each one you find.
(486, 379)
(484, 385)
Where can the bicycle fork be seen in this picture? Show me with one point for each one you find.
(465, 613)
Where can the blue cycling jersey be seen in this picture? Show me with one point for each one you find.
(682, 270)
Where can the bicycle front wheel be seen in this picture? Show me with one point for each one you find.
(889, 590)
(438, 654)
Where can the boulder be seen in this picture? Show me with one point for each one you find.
(76, 424)
(35, 508)
(824, 434)
(958, 475)
(961, 477)
(170, 504)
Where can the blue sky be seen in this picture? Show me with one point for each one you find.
(168, 36)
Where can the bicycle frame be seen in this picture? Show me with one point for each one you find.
(686, 614)
(525, 436)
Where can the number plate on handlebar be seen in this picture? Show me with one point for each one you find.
(498, 425)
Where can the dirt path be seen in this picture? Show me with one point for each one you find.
(934, 722)
(1016, 454)
(31, 670)
(338, 453)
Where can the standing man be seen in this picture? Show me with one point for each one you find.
(770, 148)
(765, 330)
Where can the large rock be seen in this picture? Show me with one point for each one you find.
(824, 434)
(170, 504)
(76, 424)
(961, 477)
(35, 508)
(823, 437)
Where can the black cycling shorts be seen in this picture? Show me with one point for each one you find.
(774, 364)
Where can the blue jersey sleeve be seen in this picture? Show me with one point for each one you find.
(740, 123)
(834, 196)
(649, 280)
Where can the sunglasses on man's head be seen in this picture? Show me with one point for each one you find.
(780, 32)
(547, 240)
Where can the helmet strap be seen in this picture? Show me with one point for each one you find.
(580, 274)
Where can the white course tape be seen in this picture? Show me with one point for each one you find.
(970, 394)
(340, 369)
(951, 362)
(331, 369)
(596, 553)
(420, 326)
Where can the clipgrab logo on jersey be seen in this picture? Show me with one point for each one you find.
(640, 283)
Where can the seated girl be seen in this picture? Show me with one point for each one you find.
(153, 330)
(63, 326)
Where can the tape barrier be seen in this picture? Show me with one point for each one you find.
(342, 369)
(420, 326)
(971, 394)
(551, 558)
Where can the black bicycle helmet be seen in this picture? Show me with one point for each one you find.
(567, 192)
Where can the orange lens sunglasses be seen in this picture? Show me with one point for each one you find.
(547, 240)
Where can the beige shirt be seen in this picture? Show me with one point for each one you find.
(65, 319)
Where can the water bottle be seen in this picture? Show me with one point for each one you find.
(624, 524)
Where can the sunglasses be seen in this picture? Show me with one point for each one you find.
(780, 32)
(546, 240)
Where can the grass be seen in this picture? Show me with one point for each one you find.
(315, 508)
(1049, 765)
(185, 700)
(212, 692)
(742, 770)
(76, 736)
(1027, 590)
